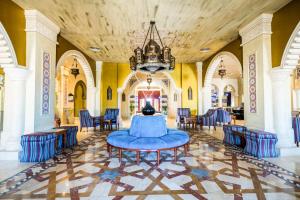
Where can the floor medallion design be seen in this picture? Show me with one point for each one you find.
(210, 171)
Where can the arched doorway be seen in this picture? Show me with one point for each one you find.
(65, 89)
(79, 97)
(13, 95)
(166, 97)
(86, 69)
(233, 77)
(282, 94)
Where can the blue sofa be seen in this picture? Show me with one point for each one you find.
(148, 133)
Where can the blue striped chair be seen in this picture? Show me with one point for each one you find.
(261, 144)
(223, 116)
(37, 147)
(231, 138)
(208, 119)
(296, 127)
(86, 120)
(112, 114)
(181, 114)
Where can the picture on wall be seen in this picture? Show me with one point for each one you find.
(190, 93)
(109, 93)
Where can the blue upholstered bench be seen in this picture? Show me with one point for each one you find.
(37, 147)
(261, 144)
(71, 136)
(230, 137)
(148, 133)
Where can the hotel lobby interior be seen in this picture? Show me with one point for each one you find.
(149, 99)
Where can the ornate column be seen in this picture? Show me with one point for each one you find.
(120, 91)
(206, 91)
(98, 87)
(41, 40)
(14, 111)
(199, 79)
(282, 110)
(256, 42)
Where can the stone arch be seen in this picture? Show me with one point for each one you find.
(90, 83)
(8, 56)
(291, 54)
(213, 65)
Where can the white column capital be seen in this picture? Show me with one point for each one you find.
(37, 22)
(16, 73)
(280, 74)
(258, 26)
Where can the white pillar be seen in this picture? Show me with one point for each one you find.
(256, 42)
(14, 111)
(220, 96)
(297, 99)
(206, 98)
(120, 91)
(199, 79)
(41, 39)
(281, 82)
(98, 87)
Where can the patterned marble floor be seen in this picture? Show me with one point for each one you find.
(210, 171)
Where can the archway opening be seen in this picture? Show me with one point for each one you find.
(224, 92)
(162, 94)
(70, 90)
(79, 97)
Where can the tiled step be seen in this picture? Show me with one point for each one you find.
(6, 60)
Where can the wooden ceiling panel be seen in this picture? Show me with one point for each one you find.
(119, 26)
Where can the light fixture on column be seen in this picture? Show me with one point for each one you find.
(75, 69)
(222, 69)
(152, 57)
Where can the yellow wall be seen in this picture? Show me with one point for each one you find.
(115, 74)
(233, 47)
(189, 79)
(123, 72)
(109, 77)
(283, 24)
(13, 19)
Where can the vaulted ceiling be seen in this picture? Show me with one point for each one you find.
(119, 26)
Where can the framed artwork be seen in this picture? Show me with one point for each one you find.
(46, 84)
(123, 97)
(109, 93)
(190, 93)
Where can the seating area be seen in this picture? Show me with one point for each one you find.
(148, 134)
(257, 143)
(41, 146)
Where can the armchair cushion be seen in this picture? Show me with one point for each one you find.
(148, 126)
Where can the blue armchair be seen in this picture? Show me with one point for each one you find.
(208, 119)
(181, 114)
(223, 116)
(111, 115)
(86, 120)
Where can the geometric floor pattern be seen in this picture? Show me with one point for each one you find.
(211, 170)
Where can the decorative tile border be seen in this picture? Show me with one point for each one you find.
(252, 83)
(46, 83)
